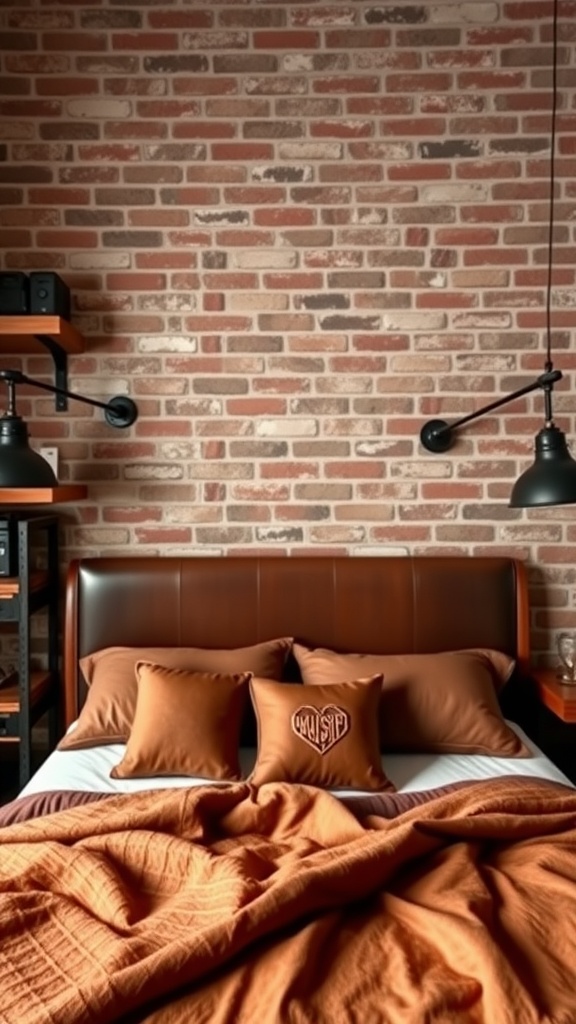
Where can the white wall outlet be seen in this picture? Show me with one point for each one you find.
(51, 456)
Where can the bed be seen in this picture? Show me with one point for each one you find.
(292, 789)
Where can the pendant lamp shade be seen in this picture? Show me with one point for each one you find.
(551, 480)
(20, 465)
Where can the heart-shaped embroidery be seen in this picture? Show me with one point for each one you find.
(321, 728)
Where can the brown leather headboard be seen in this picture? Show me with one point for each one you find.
(373, 605)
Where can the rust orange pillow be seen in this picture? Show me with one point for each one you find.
(443, 703)
(324, 736)
(185, 723)
(107, 714)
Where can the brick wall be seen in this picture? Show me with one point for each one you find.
(294, 232)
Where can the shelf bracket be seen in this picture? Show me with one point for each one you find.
(60, 359)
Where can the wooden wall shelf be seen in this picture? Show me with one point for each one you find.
(42, 495)
(26, 333)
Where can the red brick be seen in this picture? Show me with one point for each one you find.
(30, 108)
(256, 407)
(158, 218)
(165, 260)
(131, 514)
(287, 216)
(16, 239)
(286, 40)
(422, 171)
(72, 86)
(60, 196)
(68, 239)
(136, 282)
(75, 42)
(241, 151)
(345, 84)
(182, 19)
(229, 282)
(156, 42)
(213, 302)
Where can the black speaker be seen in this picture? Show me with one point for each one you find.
(49, 294)
(14, 292)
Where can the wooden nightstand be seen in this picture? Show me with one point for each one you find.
(553, 723)
(559, 697)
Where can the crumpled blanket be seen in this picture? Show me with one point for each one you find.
(236, 905)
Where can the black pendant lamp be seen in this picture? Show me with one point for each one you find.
(551, 480)
(20, 465)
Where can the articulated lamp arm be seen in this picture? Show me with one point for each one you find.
(438, 436)
(119, 412)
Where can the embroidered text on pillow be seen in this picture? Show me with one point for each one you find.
(321, 728)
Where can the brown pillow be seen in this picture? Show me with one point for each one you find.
(323, 736)
(110, 674)
(432, 703)
(185, 723)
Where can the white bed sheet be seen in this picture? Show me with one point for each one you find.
(89, 770)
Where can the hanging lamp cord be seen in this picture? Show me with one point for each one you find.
(552, 184)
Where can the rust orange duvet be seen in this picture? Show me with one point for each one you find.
(236, 905)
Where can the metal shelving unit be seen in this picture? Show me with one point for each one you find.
(33, 589)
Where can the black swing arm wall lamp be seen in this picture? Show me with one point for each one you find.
(551, 480)
(20, 465)
(438, 436)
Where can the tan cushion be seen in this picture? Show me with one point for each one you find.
(185, 723)
(110, 674)
(432, 703)
(323, 736)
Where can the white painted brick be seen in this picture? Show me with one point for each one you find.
(174, 450)
(432, 469)
(497, 320)
(370, 449)
(100, 260)
(337, 534)
(311, 151)
(100, 388)
(432, 320)
(259, 301)
(286, 428)
(454, 13)
(95, 109)
(204, 513)
(152, 471)
(451, 193)
(215, 40)
(175, 302)
(382, 551)
(262, 172)
(184, 343)
(265, 259)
